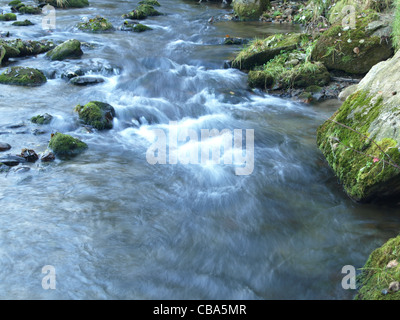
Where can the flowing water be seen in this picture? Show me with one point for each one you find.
(116, 227)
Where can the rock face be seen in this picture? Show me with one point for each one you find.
(250, 9)
(382, 266)
(361, 140)
(353, 51)
(22, 76)
(66, 50)
(260, 52)
(65, 146)
(97, 114)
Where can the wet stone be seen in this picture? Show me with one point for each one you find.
(4, 146)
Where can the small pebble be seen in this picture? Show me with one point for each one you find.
(394, 286)
(384, 292)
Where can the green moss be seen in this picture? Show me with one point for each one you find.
(260, 51)
(354, 51)
(8, 17)
(150, 2)
(65, 146)
(360, 165)
(42, 119)
(141, 12)
(140, 28)
(68, 49)
(29, 10)
(376, 277)
(22, 76)
(68, 3)
(14, 3)
(98, 24)
(97, 114)
(24, 23)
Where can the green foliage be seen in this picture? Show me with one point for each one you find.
(396, 26)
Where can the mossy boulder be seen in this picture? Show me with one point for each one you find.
(361, 140)
(8, 17)
(29, 9)
(250, 9)
(14, 3)
(97, 114)
(66, 50)
(23, 76)
(98, 24)
(66, 146)
(135, 27)
(42, 119)
(354, 51)
(381, 269)
(69, 3)
(260, 51)
(150, 2)
(23, 23)
(20, 48)
(142, 12)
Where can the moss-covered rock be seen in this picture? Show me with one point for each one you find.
(14, 3)
(278, 74)
(98, 24)
(142, 12)
(153, 3)
(97, 114)
(29, 10)
(65, 146)
(381, 269)
(361, 140)
(23, 76)
(66, 50)
(68, 3)
(135, 27)
(20, 48)
(24, 23)
(42, 119)
(250, 9)
(354, 51)
(260, 51)
(8, 17)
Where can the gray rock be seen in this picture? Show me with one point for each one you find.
(86, 80)
(4, 146)
(12, 161)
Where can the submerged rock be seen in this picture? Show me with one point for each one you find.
(24, 23)
(47, 156)
(4, 146)
(135, 27)
(65, 146)
(23, 76)
(86, 80)
(66, 50)
(12, 161)
(42, 119)
(97, 114)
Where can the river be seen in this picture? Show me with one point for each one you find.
(114, 226)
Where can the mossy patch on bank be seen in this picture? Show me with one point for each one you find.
(381, 269)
